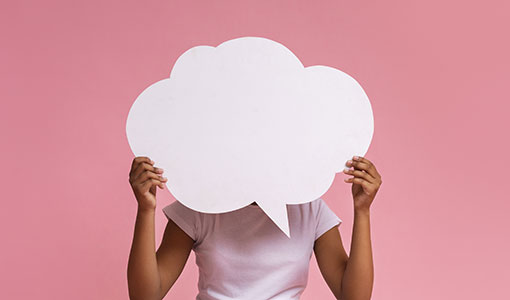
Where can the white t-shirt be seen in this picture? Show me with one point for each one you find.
(243, 255)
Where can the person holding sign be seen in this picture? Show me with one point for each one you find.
(250, 139)
(242, 254)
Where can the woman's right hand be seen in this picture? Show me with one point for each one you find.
(144, 179)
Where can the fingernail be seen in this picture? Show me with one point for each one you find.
(356, 157)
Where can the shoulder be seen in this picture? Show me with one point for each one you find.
(317, 203)
(309, 210)
(189, 220)
(177, 207)
(316, 206)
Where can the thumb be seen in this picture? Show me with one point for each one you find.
(153, 190)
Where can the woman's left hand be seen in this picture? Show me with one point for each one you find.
(366, 181)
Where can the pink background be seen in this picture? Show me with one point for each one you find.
(435, 71)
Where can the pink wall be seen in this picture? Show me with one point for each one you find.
(437, 75)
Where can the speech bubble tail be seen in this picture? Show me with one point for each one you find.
(278, 214)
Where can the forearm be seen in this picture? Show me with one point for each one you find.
(143, 275)
(357, 281)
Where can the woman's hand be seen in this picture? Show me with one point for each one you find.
(144, 179)
(366, 182)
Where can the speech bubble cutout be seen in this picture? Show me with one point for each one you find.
(245, 121)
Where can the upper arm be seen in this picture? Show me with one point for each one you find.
(172, 255)
(331, 259)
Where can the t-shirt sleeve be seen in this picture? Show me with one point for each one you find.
(326, 218)
(187, 219)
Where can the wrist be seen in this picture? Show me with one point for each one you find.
(365, 211)
(146, 210)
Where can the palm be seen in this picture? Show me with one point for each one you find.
(359, 195)
(365, 181)
(151, 195)
(145, 179)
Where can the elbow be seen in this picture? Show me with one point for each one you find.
(141, 296)
(360, 296)
(138, 292)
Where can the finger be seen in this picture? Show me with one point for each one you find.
(357, 180)
(146, 185)
(139, 169)
(150, 185)
(139, 159)
(359, 165)
(148, 175)
(361, 174)
(366, 166)
(368, 187)
(143, 167)
(367, 161)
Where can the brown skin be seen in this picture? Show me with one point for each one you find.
(351, 277)
(152, 273)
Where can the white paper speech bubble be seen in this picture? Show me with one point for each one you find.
(246, 121)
